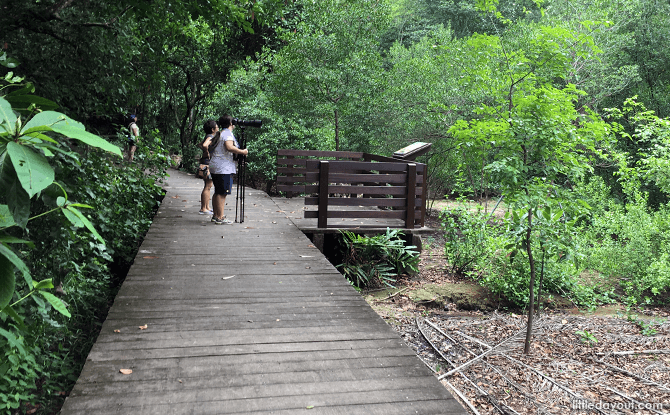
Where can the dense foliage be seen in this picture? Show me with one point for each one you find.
(559, 110)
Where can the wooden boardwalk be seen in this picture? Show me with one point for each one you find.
(245, 318)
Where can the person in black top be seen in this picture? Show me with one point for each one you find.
(210, 128)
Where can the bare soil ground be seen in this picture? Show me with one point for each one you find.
(608, 362)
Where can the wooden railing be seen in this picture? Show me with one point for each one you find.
(396, 188)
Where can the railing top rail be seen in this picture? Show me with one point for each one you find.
(344, 166)
(318, 153)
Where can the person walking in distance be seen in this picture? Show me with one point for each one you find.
(133, 138)
(222, 166)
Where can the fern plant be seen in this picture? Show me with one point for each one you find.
(377, 260)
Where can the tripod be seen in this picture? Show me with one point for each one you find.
(241, 179)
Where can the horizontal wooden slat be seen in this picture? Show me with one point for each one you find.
(287, 188)
(293, 179)
(367, 214)
(291, 170)
(292, 162)
(364, 190)
(359, 178)
(317, 153)
(360, 190)
(348, 166)
(358, 201)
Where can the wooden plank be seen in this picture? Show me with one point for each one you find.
(411, 191)
(291, 170)
(287, 188)
(322, 214)
(378, 214)
(317, 153)
(383, 214)
(364, 190)
(357, 201)
(396, 179)
(346, 166)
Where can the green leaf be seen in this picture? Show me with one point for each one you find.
(7, 117)
(8, 62)
(24, 101)
(43, 121)
(81, 205)
(32, 169)
(11, 338)
(8, 254)
(74, 219)
(17, 198)
(14, 240)
(86, 222)
(7, 281)
(69, 129)
(52, 194)
(37, 133)
(546, 213)
(13, 314)
(43, 285)
(6, 218)
(56, 303)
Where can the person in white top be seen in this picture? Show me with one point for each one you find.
(134, 136)
(222, 166)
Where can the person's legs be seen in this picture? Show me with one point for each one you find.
(205, 196)
(219, 199)
(223, 185)
(131, 152)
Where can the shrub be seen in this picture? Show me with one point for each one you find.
(377, 260)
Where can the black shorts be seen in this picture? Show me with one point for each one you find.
(223, 184)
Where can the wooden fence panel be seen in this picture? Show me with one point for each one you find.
(365, 178)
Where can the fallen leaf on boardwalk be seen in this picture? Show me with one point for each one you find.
(150, 257)
(126, 371)
(310, 407)
(277, 319)
(180, 381)
(311, 246)
(184, 200)
(227, 278)
(308, 267)
(175, 197)
(117, 331)
(306, 256)
(274, 263)
(144, 327)
(274, 222)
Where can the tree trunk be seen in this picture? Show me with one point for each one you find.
(531, 262)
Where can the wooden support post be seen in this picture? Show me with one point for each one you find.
(424, 195)
(324, 167)
(292, 183)
(411, 195)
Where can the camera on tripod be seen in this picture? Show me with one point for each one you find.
(247, 123)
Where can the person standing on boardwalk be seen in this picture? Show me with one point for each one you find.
(222, 166)
(210, 128)
(133, 137)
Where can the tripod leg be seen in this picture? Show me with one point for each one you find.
(243, 179)
(237, 194)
